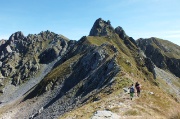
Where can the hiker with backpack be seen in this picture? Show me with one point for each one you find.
(138, 89)
(131, 91)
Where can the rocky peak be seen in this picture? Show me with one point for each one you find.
(45, 33)
(129, 41)
(102, 28)
(20, 51)
(16, 36)
(119, 30)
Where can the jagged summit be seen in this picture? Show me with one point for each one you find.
(102, 28)
(16, 36)
(20, 56)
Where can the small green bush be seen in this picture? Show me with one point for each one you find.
(131, 112)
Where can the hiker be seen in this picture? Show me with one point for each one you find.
(138, 89)
(131, 91)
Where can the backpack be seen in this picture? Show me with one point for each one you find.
(138, 87)
(131, 90)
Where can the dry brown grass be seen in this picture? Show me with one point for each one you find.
(174, 114)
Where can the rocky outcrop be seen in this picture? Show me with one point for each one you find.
(150, 65)
(22, 56)
(52, 53)
(119, 30)
(17, 42)
(102, 28)
(163, 54)
(48, 55)
(128, 41)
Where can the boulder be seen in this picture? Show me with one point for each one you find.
(8, 49)
(105, 115)
(151, 93)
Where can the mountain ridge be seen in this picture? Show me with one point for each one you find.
(66, 75)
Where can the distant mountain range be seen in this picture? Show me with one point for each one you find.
(46, 75)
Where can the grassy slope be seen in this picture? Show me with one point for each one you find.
(58, 74)
(62, 70)
(148, 106)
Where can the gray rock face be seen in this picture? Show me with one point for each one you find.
(150, 65)
(8, 49)
(129, 41)
(16, 36)
(119, 30)
(17, 42)
(48, 55)
(52, 53)
(161, 55)
(102, 28)
(25, 54)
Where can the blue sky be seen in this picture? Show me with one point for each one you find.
(75, 18)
